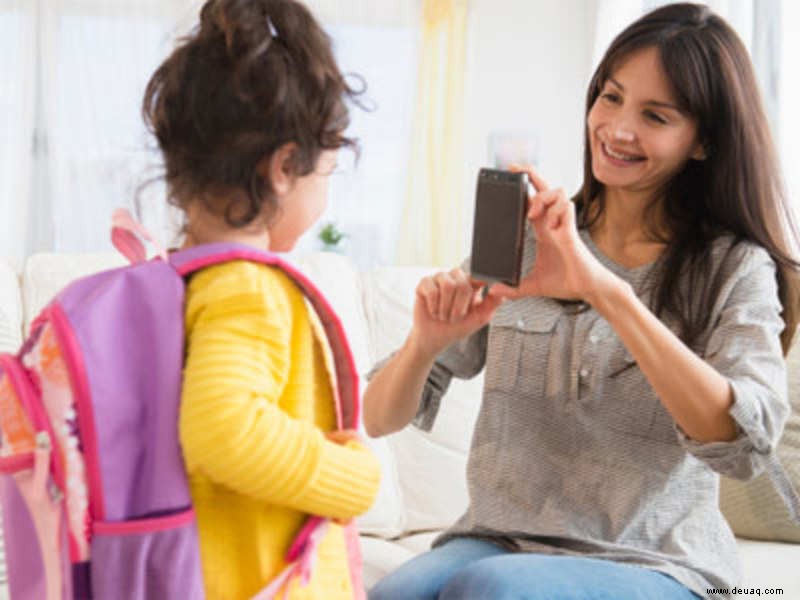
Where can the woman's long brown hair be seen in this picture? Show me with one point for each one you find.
(738, 190)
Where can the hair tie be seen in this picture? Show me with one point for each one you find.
(272, 31)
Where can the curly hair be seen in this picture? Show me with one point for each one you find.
(252, 76)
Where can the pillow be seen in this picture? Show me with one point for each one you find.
(753, 508)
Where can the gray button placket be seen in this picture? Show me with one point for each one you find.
(584, 354)
(575, 360)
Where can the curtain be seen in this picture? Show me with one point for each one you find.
(97, 59)
(18, 38)
(435, 214)
(788, 119)
(74, 145)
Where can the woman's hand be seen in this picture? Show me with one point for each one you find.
(448, 307)
(564, 266)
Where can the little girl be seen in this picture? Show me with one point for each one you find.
(249, 112)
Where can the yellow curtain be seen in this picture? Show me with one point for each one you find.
(434, 228)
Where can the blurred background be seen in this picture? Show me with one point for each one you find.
(454, 85)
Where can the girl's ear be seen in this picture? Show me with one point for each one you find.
(278, 168)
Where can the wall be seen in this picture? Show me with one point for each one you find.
(528, 66)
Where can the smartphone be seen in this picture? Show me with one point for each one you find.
(498, 231)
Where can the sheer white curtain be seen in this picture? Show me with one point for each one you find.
(17, 66)
(74, 145)
(788, 129)
(96, 60)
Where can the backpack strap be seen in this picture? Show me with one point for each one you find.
(195, 258)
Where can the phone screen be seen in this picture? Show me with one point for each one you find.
(499, 226)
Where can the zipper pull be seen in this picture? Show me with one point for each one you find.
(41, 464)
(43, 441)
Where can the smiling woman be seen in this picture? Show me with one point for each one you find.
(650, 327)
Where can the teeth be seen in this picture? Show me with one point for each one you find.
(618, 155)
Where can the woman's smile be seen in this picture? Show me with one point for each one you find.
(620, 158)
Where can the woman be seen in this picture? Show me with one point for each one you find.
(641, 355)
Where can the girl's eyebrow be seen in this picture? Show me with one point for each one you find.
(657, 103)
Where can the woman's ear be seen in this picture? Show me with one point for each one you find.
(278, 168)
(700, 152)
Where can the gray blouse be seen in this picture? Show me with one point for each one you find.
(574, 454)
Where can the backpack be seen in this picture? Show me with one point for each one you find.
(94, 494)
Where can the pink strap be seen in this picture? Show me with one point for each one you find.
(126, 235)
(353, 546)
(46, 515)
(302, 565)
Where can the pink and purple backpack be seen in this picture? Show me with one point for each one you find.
(95, 499)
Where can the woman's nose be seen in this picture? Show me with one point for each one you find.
(622, 133)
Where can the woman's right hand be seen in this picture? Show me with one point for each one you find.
(448, 306)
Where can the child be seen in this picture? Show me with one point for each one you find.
(249, 112)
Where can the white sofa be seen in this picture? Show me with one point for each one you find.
(423, 488)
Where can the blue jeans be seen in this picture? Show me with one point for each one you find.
(471, 569)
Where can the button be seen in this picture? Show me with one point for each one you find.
(584, 373)
(593, 338)
(520, 323)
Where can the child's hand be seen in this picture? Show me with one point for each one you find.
(343, 436)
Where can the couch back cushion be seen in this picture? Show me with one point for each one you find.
(753, 509)
(46, 274)
(431, 466)
(10, 309)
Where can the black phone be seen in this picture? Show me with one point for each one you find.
(498, 232)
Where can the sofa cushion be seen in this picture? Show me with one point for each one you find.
(381, 557)
(770, 565)
(754, 509)
(46, 274)
(10, 309)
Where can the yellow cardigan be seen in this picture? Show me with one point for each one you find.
(256, 401)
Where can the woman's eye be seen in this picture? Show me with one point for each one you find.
(610, 97)
(656, 118)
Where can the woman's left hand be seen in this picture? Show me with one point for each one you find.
(564, 266)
